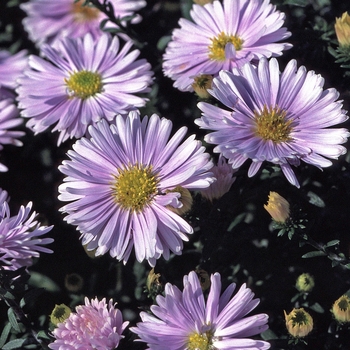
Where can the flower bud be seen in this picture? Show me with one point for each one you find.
(201, 85)
(59, 314)
(224, 180)
(185, 199)
(342, 29)
(305, 283)
(341, 309)
(299, 323)
(203, 2)
(278, 207)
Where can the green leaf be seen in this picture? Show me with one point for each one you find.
(313, 254)
(13, 320)
(315, 199)
(301, 3)
(5, 334)
(317, 308)
(332, 243)
(31, 296)
(268, 335)
(347, 266)
(14, 344)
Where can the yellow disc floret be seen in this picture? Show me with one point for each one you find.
(199, 342)
(135, 187)
(84, 84)
(272, 124)
(217, 47)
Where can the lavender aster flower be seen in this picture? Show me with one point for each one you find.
(95, 325)
(20, 240)
(9, 118)
(49, 20)
(185, 321)
(84, 81)
(277, 117)
(11, 67)
(122, 182)
(223, 36)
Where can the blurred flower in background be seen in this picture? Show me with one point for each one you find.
(280, 118)
(184, 320)
(83, 82)
(20, 240)
(223, 36)
(122, 180)
(48, 21)
(95, 325)
(305, 283)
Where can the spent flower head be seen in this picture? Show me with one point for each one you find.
(299, 323)
(185, 320)
(341, 309)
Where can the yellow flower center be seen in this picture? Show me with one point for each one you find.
(84, 13)
(199, 342)
(84, 84)
(135, 187)
(217, 47)
(271, 124)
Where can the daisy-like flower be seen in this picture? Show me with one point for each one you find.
(11, 67)
(124, 181)
(186, 321)
(20, 236)
(223, 173)
(48, 21)
(95, 325)
(276, 117)
(223, 36)
(9, 118)
(84, 81)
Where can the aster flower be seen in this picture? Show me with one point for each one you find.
(184, 320)
(223, 36)
(277, 117)
(48, 21)
(122, 181)
(9, 118)
(11, 67)
(223, 173)
(95, 325)
(83, 82)
(20, 240)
